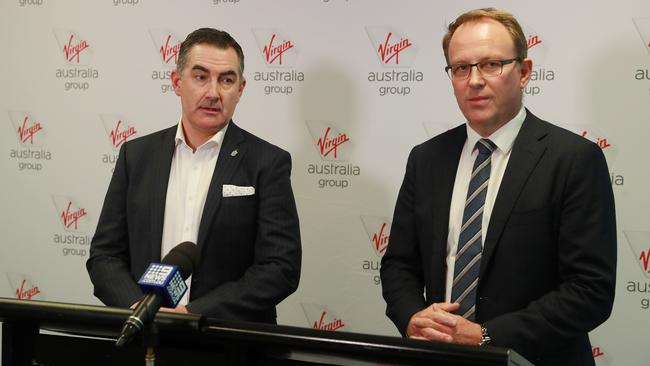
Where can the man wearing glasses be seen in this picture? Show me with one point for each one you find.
(504, 230)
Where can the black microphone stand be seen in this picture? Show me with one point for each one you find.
(150, 342)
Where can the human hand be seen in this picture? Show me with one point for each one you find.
(180, 309)
(433, 323)
(437, 323)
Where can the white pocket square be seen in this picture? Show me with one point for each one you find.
(230, 190)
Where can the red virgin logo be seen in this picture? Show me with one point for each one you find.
(70, 217)
(73, 50)
(23, 293)
(327, 144)
(533, 40)
(119, 137)
(380, 239)
(27, 132)
(600, 141)
(119, 129)
(596, 352)
(322, 317)
(378, 230)
(645, 258)
(332, 325)
(330, 143)
(170, 51)
(274, 52)
(389, 51)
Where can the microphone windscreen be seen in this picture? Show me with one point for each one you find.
(186, 256)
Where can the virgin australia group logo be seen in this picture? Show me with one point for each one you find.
(23, 287)
(167, 44)
(77, 51)
(609, 147)
(322, 317)
(278, 50)
(334, 147)
(30, 154)
(118, 130)
(72, 216)
(396, 53)
(541, 74)
(167, 47)
(595, 135)
(29, 130)
(280, 54)
(330, 143)
(538, 45)
(378, 230)
(75, 221)
(639, 242)
(393, 48)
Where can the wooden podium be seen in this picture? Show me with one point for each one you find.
(49, 333)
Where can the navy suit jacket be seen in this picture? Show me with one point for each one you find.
(249, 245)
(548, 268)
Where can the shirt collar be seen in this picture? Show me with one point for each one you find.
(215, 140)
(504, 137)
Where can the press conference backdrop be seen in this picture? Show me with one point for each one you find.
(348, 87)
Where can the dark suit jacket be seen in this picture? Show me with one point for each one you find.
(548, 268)
(250, 245)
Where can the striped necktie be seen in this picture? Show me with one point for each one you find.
(470, 243)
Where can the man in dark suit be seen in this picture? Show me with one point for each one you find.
(207, 181)
(504, 230)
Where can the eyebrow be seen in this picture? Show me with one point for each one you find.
(204, 69)
(482, 59)
(200, 68)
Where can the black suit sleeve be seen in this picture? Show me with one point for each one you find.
(275, 271)
(401, 267)
(586, 265)
(109, 261)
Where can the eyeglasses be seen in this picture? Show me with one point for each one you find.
(489, 68)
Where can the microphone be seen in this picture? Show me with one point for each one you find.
(163, 284)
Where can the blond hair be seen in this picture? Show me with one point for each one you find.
(508, 20)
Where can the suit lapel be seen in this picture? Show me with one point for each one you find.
(164, 149)
(528, 148)
(231, 153)
(442, 176)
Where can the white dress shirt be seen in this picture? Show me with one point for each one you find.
(189, 181)
(503, 138)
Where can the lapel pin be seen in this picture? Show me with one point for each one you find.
(234, 153)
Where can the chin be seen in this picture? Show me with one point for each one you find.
(480, 117)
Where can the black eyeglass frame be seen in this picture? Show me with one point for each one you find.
(502, 62)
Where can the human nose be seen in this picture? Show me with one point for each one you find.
(475, 76)
(213, 89)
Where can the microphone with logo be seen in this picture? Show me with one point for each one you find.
(164, 284)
